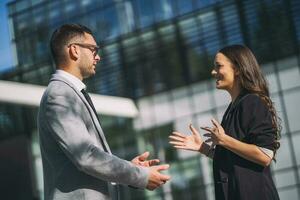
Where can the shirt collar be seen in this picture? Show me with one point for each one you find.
(79, 85)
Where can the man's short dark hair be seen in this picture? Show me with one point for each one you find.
(62, 36)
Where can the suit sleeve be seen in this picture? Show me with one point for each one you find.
(63, 117)
(257, 122)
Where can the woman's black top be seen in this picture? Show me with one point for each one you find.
(249, 120)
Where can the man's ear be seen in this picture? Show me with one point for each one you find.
(73, 52)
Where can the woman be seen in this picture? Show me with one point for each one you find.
(246, 141)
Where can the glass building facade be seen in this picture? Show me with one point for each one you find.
(160, 53)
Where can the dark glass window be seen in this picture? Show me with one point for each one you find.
(126, 17)
(109, 80)
(169, 53)
(264, 34)
(145, 12)
(231, 25)
(205, 3)
(39, 15)
(295, 7)
(55, 13)
(210, 32)
(163, 9)
(184, 6)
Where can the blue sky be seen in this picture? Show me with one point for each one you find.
(5, 49)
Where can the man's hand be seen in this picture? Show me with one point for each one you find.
(157, 179)
(141, 160)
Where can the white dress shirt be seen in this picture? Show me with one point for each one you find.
(79, 85)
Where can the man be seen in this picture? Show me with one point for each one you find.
(77, 161)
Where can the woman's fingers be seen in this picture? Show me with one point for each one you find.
(209, 140)
(215, 123)
(207, 129)
(176, 138)
(207, 135)
(178, 134)
(180, 147)
(194, 131)
(176, 143)
(181, 141)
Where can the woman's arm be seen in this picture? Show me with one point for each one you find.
(248, 151)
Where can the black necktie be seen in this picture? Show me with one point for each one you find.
(89, 100)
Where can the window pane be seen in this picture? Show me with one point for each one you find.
(290, 193)
(145, 12)
(201, 97)
(181, 102)
(163, 109)
(284, 179)
(296, 142)
(284, 159)
(163, 9)
(290, 78)
(184, 6)
(292, 109)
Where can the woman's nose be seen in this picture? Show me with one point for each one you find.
(213, 72)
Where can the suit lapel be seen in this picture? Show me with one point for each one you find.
(96, 123)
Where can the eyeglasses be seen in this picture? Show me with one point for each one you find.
(93, 48)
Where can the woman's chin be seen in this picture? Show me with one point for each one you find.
(220, 87)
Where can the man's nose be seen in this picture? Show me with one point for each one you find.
(97, 57)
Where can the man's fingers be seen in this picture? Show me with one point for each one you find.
(162, 167)
(164, 177)
(154, 162)
(144, 156)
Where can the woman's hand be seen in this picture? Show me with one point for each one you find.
(216, 134)
(188, 142)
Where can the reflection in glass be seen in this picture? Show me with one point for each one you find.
(145, 12)
(163, 9)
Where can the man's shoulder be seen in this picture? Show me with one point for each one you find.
(58, 88)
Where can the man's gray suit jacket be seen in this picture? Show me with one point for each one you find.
(75, 164)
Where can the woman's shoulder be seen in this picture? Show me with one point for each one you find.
(251, 101)
(250, 97)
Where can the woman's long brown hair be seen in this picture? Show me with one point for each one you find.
(252, 80)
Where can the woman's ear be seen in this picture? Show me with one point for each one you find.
(236, 71)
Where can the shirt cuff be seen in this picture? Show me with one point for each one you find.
(268, 152)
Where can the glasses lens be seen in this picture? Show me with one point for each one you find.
(96, 50)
